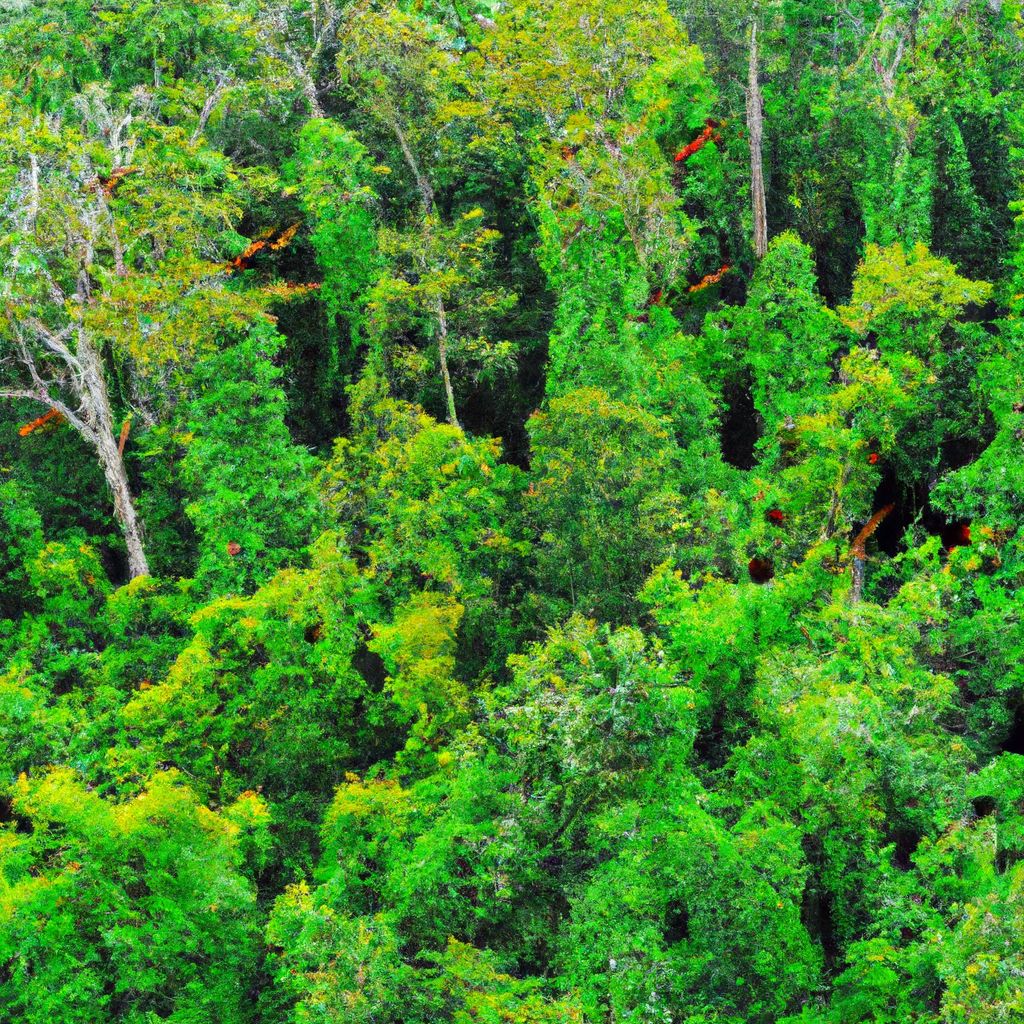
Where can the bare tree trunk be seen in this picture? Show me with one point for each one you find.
(124, 505)
(442, 351)
(209, 106)
(422, 181)
(100, 420)
(755, 128)
(857, 569)
(94, 422)
(309, 91)
(69, 377)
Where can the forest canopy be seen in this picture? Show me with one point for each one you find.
(511, 511)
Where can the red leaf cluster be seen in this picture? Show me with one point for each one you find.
(709, 134)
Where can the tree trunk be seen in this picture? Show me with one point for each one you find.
(124, 505)
(100, 432)
(442, 352)
(755, 128)
(309, 91)
(426, 191)
(857, 588)
(858, 551)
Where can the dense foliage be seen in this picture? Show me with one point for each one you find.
(446, 574)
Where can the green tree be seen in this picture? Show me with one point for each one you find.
(436, 291)
(606, 501)
(598, 94)
(265, 695)
(252, 501)
(123, 911)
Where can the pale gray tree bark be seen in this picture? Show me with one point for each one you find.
(755, 130)
(62, 368)
(78, 391)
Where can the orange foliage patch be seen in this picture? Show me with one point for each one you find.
(109, 185)
(285, 237)
(710, 279)
(52, 417)
(265, 240)
(243, 260)
(122, 440)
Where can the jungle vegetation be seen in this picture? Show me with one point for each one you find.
(511, 511)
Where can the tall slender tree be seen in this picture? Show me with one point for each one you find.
(755, 128)
(407, 81)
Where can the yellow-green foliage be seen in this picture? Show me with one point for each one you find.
(132, 908)
(911, 284)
